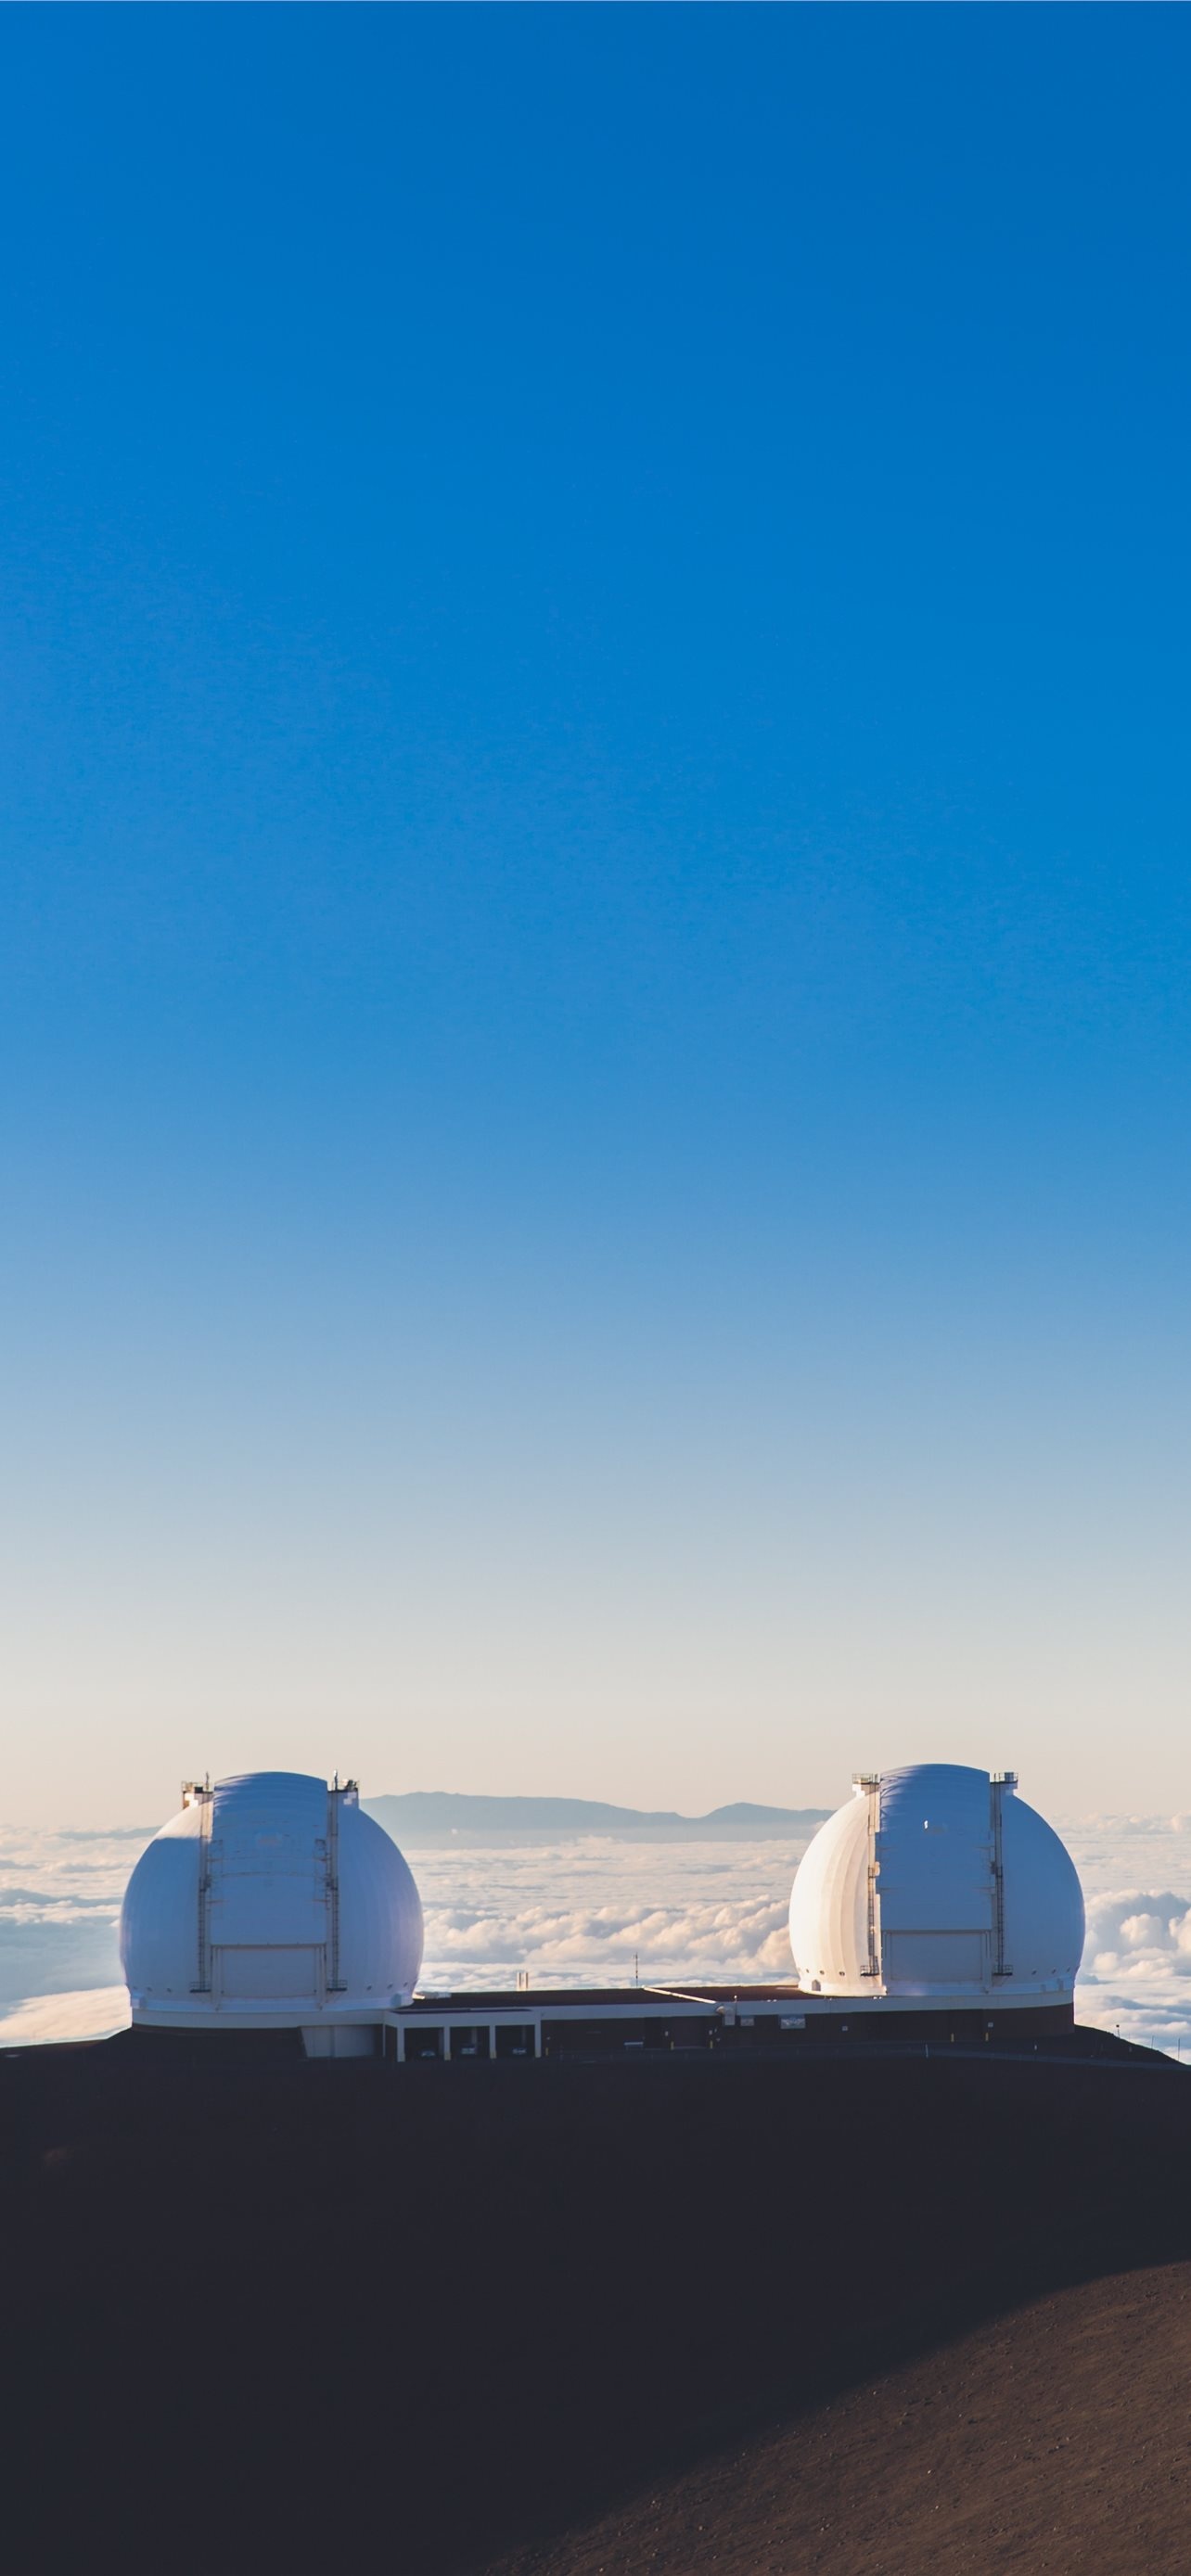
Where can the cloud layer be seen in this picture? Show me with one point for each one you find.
(89, 2012)
(590, 1912)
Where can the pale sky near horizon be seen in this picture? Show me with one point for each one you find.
(595, 918)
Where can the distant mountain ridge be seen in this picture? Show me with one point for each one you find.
(445, 1815)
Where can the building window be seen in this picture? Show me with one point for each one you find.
(471, 2040)
(516, 2039)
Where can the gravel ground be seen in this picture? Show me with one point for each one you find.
(1057, 2439)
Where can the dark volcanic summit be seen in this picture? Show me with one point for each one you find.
(266, 2316)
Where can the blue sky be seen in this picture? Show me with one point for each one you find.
(596, 918)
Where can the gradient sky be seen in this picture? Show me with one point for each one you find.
(595, 1026)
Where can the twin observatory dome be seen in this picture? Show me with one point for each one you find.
(271, 1901)
(935, 1900)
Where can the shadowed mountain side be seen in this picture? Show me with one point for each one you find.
(1056, 2438)
(265, 2317)
(440, 1815)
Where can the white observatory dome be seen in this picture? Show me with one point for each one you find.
(270, 1901)
(937, 1881)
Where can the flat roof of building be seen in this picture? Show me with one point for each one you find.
(593, 1998)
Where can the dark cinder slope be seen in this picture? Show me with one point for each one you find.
(1055, 2439)
(267, 2318)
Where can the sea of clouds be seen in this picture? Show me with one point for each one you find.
(577, 1912)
